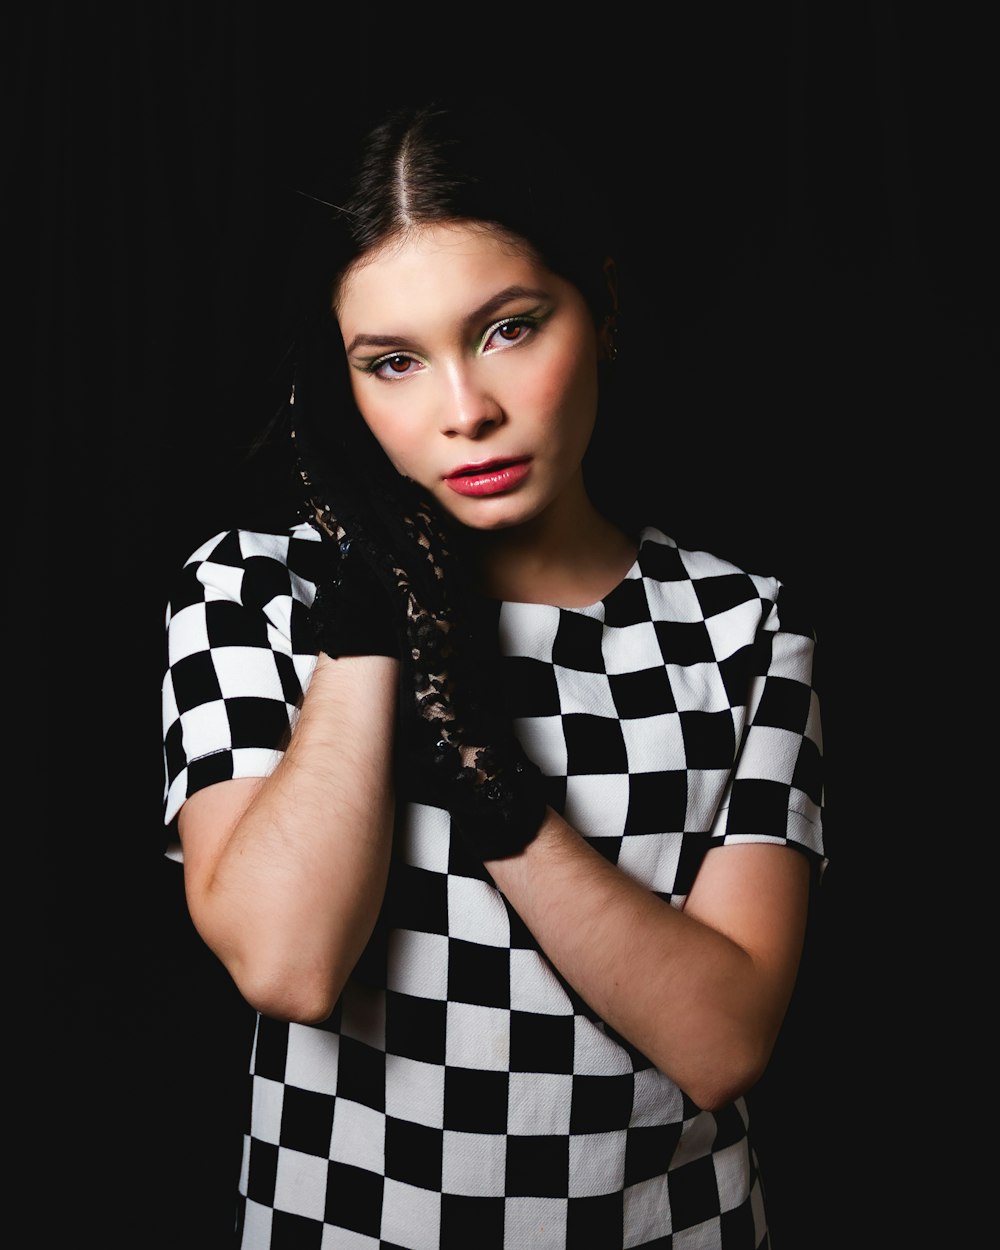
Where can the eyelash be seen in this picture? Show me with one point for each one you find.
(521, 322)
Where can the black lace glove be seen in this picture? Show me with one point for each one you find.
(400, 574)
(351, 613)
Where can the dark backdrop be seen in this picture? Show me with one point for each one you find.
(810, 272)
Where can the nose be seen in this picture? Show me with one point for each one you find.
(469, 407)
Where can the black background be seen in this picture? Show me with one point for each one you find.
(809, 311)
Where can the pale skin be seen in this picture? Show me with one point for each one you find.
(464, 350)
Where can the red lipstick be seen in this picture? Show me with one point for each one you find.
(492, 477)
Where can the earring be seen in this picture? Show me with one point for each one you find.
(609, 337)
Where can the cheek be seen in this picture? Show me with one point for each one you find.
(379, 419)
(565, 387)
(397, 445)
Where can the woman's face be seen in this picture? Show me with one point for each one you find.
(476, 369)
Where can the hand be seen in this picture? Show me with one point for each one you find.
(351, 612)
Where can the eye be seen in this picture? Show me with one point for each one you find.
(395, 366)
(508, 332)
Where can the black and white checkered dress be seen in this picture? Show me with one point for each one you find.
(461, 1094)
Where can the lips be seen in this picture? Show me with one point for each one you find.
(493, 477)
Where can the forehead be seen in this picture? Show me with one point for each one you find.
(429, 263)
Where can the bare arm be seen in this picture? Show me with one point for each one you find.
(285, 875)
(701, 992)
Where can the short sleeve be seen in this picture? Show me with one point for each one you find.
(239, 656)
(775, 793)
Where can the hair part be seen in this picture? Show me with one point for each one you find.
(431, 164)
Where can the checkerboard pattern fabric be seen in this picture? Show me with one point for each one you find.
(461, 1094)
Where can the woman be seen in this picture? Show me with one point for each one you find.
(488, 802)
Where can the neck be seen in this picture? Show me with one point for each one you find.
(570, 557)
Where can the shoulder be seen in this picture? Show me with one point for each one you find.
(250, 567)
(716, 582)
(689, 584)
(246, 587)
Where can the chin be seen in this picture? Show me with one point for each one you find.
(492, 515)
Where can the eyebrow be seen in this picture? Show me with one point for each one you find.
(482, 313)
